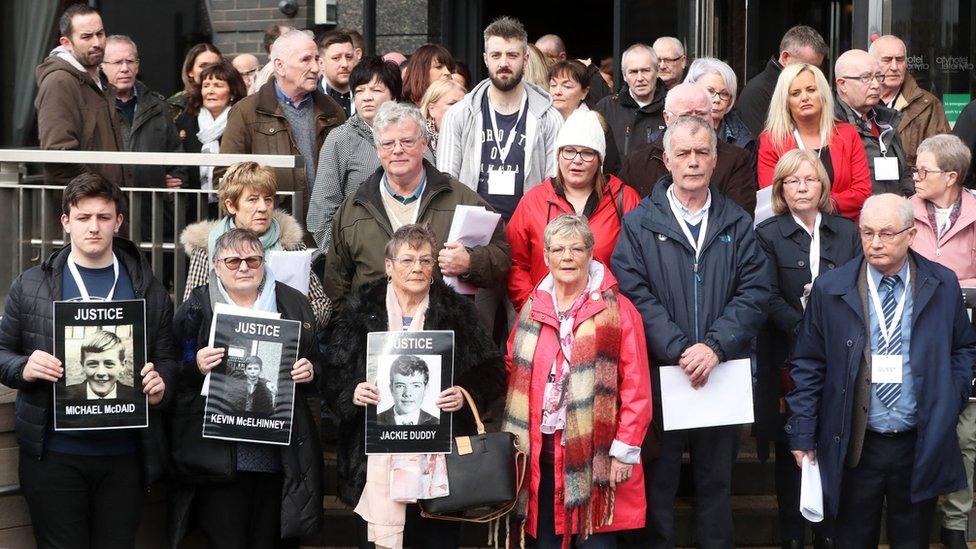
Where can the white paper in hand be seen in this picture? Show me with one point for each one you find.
(291, 267)
(726, 399)
(471, 226)
(764, 205)
(811, 491)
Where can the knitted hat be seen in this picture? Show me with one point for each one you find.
(583, 129)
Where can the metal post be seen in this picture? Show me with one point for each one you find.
(618, 38)
(369, 26)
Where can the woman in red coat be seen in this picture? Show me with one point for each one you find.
(801, 115)
(579, 188)
(579, 398)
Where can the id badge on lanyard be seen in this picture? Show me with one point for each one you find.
(80, 283)
(502, 181)
(885, 167)
(887, 368)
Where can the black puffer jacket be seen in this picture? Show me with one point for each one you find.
(28, 325)
(197, 460)
(631, 125)
(478, 367)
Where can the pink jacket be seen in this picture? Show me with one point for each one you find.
(633, 414)
(956, 249)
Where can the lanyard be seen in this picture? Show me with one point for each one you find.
(814, 246)
(881, 145)
(801, 146)
(73, 269)
(695, 245)
(503, 150)
(886, 331)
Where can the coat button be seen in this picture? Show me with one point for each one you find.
(271, 130)
(304, 477)
(836, 439)
(830, 265)
(850, 343)
(788, 428)
(301, 440)
(800, 263)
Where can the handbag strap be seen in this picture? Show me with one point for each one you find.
(520, 467)
(474, 410)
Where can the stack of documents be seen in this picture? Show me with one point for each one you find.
(472, 226)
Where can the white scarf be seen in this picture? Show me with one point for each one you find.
(209, 135)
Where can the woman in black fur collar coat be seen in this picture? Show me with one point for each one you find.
(478, 363)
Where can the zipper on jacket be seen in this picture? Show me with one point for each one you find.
(697, 282)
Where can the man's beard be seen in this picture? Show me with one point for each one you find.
(88, 59)
(509, 85)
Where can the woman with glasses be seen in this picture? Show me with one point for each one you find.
(720, 82)
(579, 188)
(242, 494)
(579, 398)
(801, 116)
(247, 199)
(408, 298)
(803, 240)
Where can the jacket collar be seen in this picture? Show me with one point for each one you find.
(882, 115)
(368, 194)
(538, 99)
(788, 226)
(659, 218)
(967, 215)
(657, 101)
(325, 108)
(147, 106)
(124, 249)
(845, 285)
(544, 310)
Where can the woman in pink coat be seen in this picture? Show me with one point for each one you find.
(579, 398)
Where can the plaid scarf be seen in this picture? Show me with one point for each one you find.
(591, 414)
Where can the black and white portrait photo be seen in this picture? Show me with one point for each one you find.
(102, 346)
(412, 382)
(255, 393)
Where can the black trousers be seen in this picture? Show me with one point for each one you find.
(245, 513)
(420, 532)
(883, 478)
(83, 501)
(792, 525)
(713, 451)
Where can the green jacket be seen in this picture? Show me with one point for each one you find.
(361, 229)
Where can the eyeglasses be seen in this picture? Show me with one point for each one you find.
(866, 78)
(700, 114)
(120, 62)
(406, 144)
(868, 235)
(234, 263)
(793, 181)
(575, 251)
(922, 173)
(570, 154)
(669, 60)
(723, 95)
(407, 262)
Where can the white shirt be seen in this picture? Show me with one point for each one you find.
(407, 419)
(690, 217)
(92, 395)
(639, 102)
(942, 220)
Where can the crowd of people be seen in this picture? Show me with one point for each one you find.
(628, 241)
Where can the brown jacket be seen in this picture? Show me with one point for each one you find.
(734, 175)
(257, 125)
(922, 116)
(74, 114)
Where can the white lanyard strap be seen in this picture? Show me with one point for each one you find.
(881, 145)
(503, 150)
(801, 146)
(695, 244)
(887, 331)
(814, 245)
(73, 269)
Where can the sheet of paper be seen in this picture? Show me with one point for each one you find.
(811, 491)
(292, 267)
(764, 205)
(471, 226)
(725, 400)
(227, 309)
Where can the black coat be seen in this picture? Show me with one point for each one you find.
(196, 460)
(28, 325)
(965, 129)
(187, 128)
(787, 247)
(753, 102)
(152, 130)
(630, 124)
(598, 88)
(478, 367)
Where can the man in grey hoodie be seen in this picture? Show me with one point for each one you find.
(500, 140)
(75, 109)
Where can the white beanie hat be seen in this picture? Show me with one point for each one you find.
(583, 129)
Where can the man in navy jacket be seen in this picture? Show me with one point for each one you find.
(883, 366)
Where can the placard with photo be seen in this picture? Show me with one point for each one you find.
(102, 345)
(410, 369)
(250, 394)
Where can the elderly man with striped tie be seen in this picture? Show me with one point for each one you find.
(883, 366)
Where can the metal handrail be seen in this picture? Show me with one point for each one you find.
(147, 158)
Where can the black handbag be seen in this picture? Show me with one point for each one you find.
(484, 472)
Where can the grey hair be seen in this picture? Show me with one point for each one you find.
(674, 42)
(280, 48)
(507, 28)
(693, 124)
(124, 39)
(640, 46)
(413, 236)
(710, 65)
(237, 240)
(951, 154)
(903, 208)
(393, 113)
(567, 226)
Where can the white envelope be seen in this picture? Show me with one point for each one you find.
(726, 399)
(291, 267)
(811, 491)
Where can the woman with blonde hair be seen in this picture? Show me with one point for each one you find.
(439, 97)
(803, 240)
(801, 116)
(537, 69)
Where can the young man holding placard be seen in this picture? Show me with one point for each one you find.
(68, 477)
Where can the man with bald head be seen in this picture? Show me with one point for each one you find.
(248, 66)
(734, 175)
(922, 115)
(858, 77)
(882, 367)
(552, 46)
(671, 57)
(287, 115)
(635, 115)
